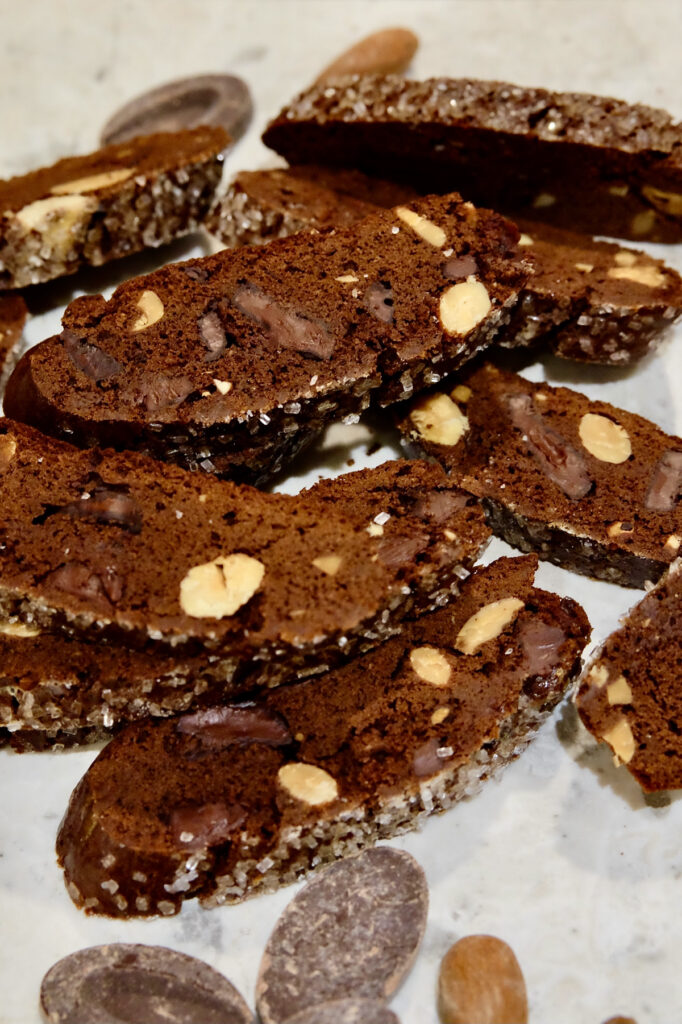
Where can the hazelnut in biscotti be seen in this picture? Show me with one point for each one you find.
(629, 695)
(87, 210)
(587, 300)
(582, 162)
(117, 549)
(588, 486)
(235, 362)
(239, 799)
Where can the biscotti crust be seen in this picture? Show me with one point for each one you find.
(590, 487)
(591, 163)
(360, 754)
(92, 209)
(224, 363)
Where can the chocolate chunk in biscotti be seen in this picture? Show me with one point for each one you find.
(586, 300)
(87, 210)
(630, 695)
(587, 163)
(234, 362)
(117, 548)
(223, 101)
(590, 487)
(133, 982)
(239, 799)
(355, 928)
(13, 313)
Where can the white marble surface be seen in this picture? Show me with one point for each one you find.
(562, 857)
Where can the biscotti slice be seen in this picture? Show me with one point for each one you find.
(593, 301)
(587, 163)
(234, 362)
(588, 486)
(586, 300)
(13, 313)
(118, 548)
(630, 695)
(241, 799)
(87, 210)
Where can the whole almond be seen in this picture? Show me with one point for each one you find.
(386, 52)
(480, 982)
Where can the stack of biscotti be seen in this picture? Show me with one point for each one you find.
(87, 210)
(128, 588)
(234, 362)
(588, 486)
(587, 300)
(230, 801)
(587, 163)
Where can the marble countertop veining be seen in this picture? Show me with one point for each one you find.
(562, 857)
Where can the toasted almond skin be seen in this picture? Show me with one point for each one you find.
(480, 982)
(386, 52)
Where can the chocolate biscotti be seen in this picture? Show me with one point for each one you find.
(87, 210)
(588, 486)
(630, 695)
(118, 549)
(239, 799)
(587, 163)
(234, 362)
(586, 300)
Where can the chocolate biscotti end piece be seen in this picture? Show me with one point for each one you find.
(240, 799)
(87, 210)
(629, 695)
(590, 487)
(581, 162)
(234, 362)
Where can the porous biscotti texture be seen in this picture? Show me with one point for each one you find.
(630, 695)
(121, 549)
(588, 486)
(234, 362)
(586, 300)
(587, 163)
(87, 210)
(13, 313)
(236, 800)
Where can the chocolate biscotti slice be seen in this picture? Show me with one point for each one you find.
(87, 210)
(243, 798)
(234, 362)
(630, 695)
(587, 163)
(586, 300)
(118, 548)
(588, 486)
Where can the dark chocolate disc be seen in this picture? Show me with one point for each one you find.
(222, 100)
(354, 929)
(127, 984)
(346, 1011)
